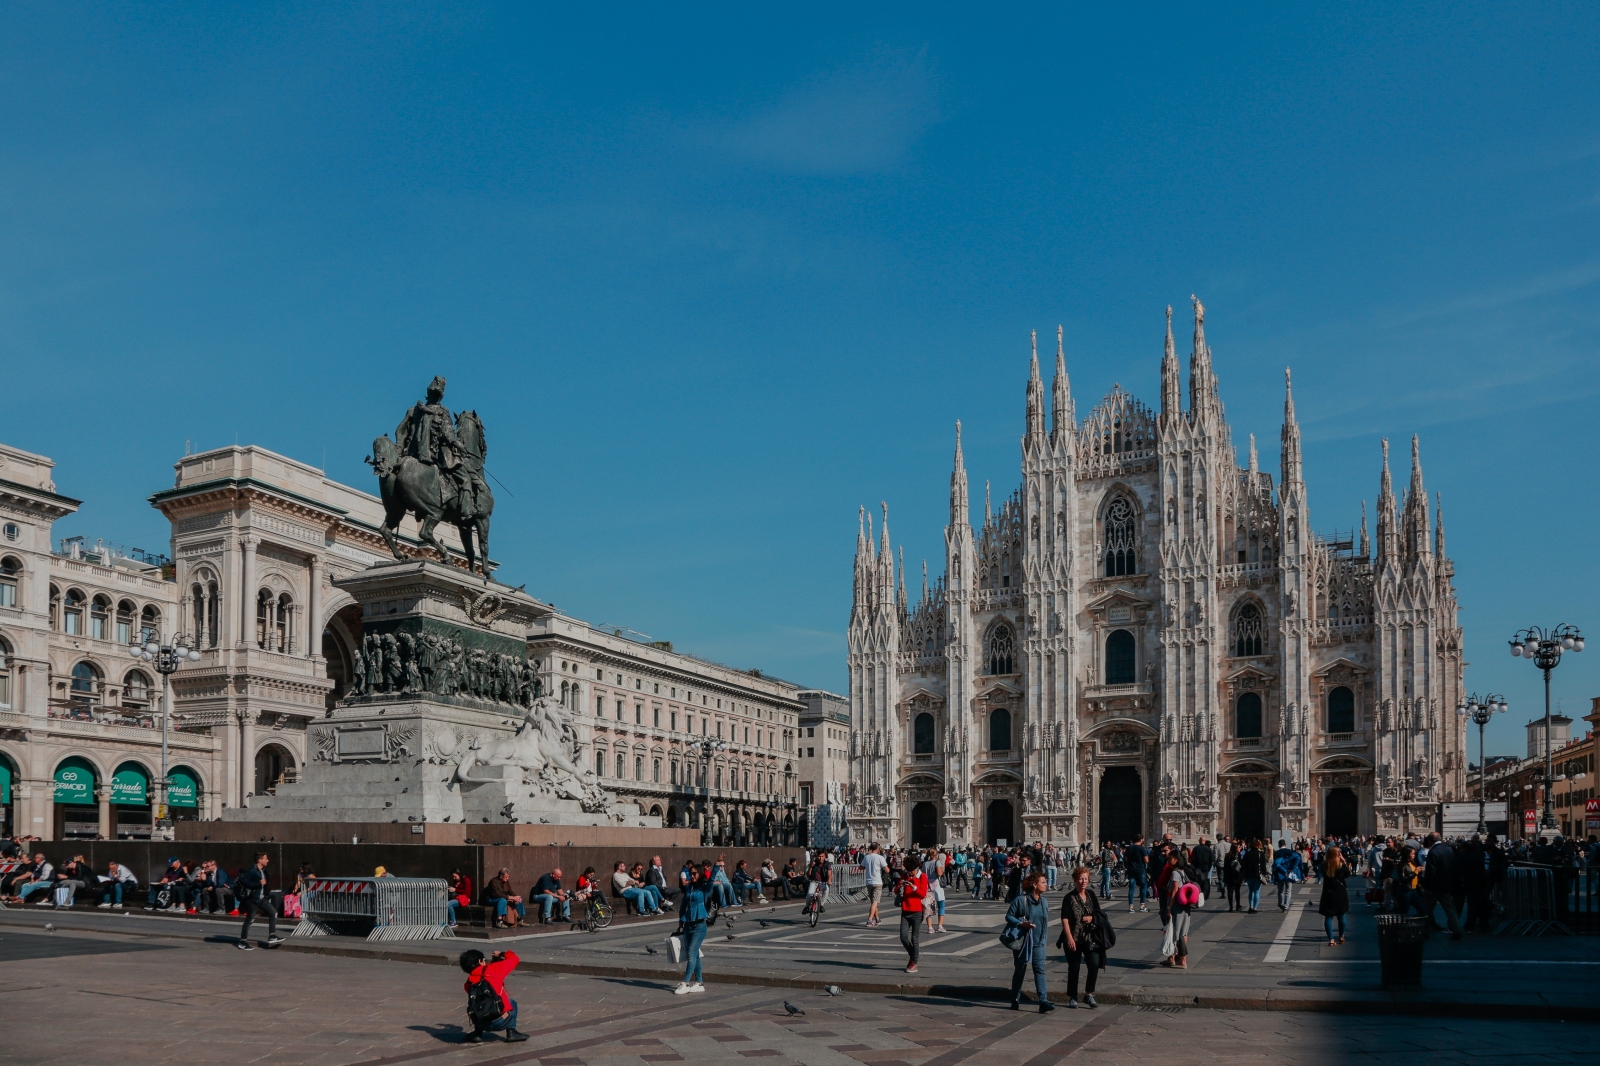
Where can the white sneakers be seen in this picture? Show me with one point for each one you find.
(697, 987)
(106, 905)
(683, 989)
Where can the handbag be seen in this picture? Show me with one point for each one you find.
(675, 948)
(1168, 945)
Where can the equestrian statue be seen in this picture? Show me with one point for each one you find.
(433, 470)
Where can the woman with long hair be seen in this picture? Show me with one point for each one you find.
(692, 928)
(1082, 936)
(1255, 863)
(1335, 901)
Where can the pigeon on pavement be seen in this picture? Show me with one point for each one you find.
(763, 922)
(833, 990)
(648, 950)
(792, 1009)
(49, 927)
(730, 936)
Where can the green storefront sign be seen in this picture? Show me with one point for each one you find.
(75, 782)
(130, 787)
(182, 789)
(5, 782)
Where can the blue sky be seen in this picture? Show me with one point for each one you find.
(714, 278)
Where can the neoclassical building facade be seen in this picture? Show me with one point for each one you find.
(1147, 637)
(258, 540)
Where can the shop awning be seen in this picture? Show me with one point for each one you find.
(75, 782)
(183, 788)
(130, 785)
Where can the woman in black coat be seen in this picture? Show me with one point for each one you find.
(1335, 896)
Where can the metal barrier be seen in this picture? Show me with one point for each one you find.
(1528, 902)
(391, 908)
(7, 868)
(1583, 900)
(850, 882)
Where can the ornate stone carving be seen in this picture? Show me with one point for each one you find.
(1119, 740)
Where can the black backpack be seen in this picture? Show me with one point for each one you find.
(483, 1004)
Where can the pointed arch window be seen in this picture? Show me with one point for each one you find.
(1249, 631)
(1120, 541)
(1002, 650)
(922, 735)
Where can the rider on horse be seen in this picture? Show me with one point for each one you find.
(428, 435)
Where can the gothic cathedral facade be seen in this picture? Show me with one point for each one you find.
(1146, 638)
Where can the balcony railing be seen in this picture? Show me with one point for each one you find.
(100, 714)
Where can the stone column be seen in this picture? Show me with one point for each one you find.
(107, 830)
(230, 790)
(313, 626)
(247, 755)
(247, 590)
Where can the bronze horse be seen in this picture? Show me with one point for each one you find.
(419, 489)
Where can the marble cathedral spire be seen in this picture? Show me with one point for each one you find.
(1204, 403)
(1033, 442)
(1388, 517)
(1366, 543)
(1416, 515)
(1063, 419)
(958, 487)
(1292, 468)
(1171, 383)
(1438, 529)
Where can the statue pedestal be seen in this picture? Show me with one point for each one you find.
(443, 723)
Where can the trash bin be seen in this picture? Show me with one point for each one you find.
(1400, 949)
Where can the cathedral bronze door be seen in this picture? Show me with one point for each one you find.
(925, 824)
(1121, 809)
(1001, 819)
(1249, 816)
(1339, 813)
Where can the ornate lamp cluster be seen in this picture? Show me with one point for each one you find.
(1545, 647)
(165, 660)
(1480, 712)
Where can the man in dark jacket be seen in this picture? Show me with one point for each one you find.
(1440, 883)
(1135, 860)
(1202, 858)
(215, 889)
(250, 889)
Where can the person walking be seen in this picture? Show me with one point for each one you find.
(1254, 863)
(1203, 857)
(933, 915)
(872, 865)
(250, 893)
(1027, 918)
(912, 889)
(1441, 884)
(1083, 937)
(1233, 878)
(1134, 858)
(1335, 902)
(1286, 870)
(692, 914)
(1182, 895)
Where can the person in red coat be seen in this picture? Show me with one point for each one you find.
(494, 970)
(912, 889)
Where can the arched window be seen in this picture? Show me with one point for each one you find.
(1341, 711)
(150, 625)
(922, 735)
(85, 683)
(1120, 540)
(100, 618)
(1247, 721)
(1000, 730)
(600, 763)
(5, 676)
(72, 615)
(1249, 630)
(1002, 650)
(1119, 658)
(264, 604)
(638, 767)
(622, 765)
(125, 616)
(10, 577)
(284, 639)
(136, 690)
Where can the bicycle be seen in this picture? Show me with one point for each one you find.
(596, 914)
(815, 906)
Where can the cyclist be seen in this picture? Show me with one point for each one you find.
(821, 876)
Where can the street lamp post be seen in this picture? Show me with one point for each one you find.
(1544, 647)
(165, 659)
(709, 747)
(1480, 712)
